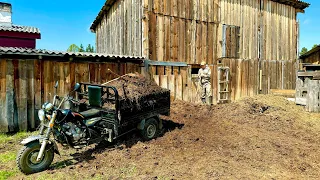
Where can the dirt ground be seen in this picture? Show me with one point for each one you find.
(264, 137)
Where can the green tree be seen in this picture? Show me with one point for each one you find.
(314, 46)
(89, 48)
(73, 48)
(303, 51)
(81, 48)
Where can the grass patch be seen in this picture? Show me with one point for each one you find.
(7, 157)
(5, 138)
(4, 174)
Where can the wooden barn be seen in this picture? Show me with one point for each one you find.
(250, 45)
(312, 56)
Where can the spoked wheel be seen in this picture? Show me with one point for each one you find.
(27, 158)
(151, 129)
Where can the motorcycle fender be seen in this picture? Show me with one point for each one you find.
(40, 138)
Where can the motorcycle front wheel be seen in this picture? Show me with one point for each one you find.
(27, 158)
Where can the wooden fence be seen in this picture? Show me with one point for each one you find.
(26, 84)
(246, 79)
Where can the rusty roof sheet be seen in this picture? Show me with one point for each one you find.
(18, 28)
(43, 52)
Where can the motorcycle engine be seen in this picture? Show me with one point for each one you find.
(75, 132)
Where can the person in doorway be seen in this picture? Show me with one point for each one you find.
(204, 76)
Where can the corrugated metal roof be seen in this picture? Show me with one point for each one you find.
(43, 52)
(18, 28)
(108, 4)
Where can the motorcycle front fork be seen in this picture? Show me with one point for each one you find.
(47, 136)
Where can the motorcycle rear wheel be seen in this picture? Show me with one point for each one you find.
(26, 159)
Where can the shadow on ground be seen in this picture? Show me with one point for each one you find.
(126, 141)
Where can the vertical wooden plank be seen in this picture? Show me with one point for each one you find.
(167, 36)
(10, 99)
(204, 39)
(31, 94)
(60, 78)
(164, 81)
(210, 43)
(199, 44)
(214, 73)
(233, 78)
(160, 38)
(145, 34)
(39, 87)
(3, 103)
(152, 36)
(188, 42)
(244, 75)
(184, 88)
(182, 41)
(179, 90)
(193, 42)
(156, 79)
(21, 94)
(174, 8)
(171, 86)
(166, 6)
(216, 44)
(92, 74)
(47, 73)
(290, 74)
(174, 39)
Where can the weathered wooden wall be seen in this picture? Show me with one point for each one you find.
(181, 31)
(26, 84)
(314, 58)
(244, 78)
(267, 28)
(119, 31)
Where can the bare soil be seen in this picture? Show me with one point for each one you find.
(264, 137)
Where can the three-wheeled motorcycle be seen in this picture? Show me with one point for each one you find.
(105, 118)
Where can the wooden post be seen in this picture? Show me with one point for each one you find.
(313, 96)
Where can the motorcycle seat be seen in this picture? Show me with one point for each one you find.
(90, 113)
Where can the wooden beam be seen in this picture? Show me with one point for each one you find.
(164, 63)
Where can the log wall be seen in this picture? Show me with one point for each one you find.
(26, 84)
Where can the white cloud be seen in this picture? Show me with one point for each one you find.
(306, 21)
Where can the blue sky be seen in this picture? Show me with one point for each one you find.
(310, 25)
(61, 22)
(64, 22)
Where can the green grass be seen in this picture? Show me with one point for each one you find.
(8, 156)
(5, 138)
(5, 174)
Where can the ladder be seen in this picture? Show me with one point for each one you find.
(223, 84)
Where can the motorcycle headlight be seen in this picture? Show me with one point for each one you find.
(47, 106)
(41, 114)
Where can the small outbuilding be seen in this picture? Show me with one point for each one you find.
(12, 35)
